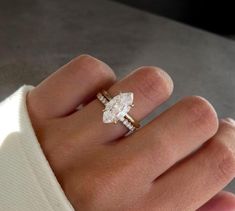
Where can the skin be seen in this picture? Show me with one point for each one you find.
(179, 161)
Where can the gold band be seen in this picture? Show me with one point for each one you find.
(133, 121)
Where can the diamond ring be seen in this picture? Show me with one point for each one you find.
(117, 108)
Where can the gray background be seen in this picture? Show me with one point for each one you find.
(37, 37)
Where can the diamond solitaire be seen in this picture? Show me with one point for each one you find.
(117, 108)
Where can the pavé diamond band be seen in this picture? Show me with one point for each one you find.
(117, 108)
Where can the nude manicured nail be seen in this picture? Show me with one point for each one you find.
(230, 120)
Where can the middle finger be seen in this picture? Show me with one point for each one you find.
(170, 137)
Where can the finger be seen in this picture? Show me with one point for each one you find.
(192, 182)
(70, 86)
(151, 87)
(223, 201)
(170, 137)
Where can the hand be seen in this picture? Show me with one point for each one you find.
(178, 161)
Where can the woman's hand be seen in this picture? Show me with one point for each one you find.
(100, 169)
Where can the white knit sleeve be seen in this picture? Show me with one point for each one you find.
(27, 182)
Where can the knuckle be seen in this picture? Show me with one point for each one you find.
(226, 164)
(224, 147)
(154, 83)
(198, 106)
(200, 113)
(86, 59)
(92, 66)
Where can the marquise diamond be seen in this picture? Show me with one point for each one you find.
(118, 107)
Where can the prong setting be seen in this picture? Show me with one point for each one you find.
(117, 108)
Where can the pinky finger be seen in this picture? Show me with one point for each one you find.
(223, 201)
(199, 177)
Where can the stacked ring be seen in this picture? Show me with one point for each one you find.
(117, 108)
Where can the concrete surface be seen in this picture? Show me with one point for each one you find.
(36, 37)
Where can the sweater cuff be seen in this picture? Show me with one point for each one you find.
(26, 180)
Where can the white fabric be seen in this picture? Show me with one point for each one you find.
(27, 182)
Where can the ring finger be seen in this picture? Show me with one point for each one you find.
(151, 87)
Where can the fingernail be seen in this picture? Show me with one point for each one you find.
(230, 120)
